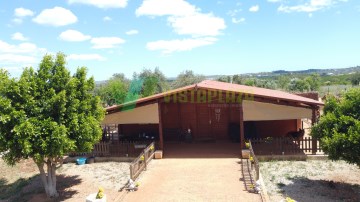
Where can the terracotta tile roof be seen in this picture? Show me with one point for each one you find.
(262, 92)
(217, 85)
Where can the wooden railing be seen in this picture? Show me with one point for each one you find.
(254, 162)
(120, 149)
(140, 163)
(285, 146)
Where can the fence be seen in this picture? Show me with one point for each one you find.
(140, 163)
(285, 146)
(124, 148)
(254, 161)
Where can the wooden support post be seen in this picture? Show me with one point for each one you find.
(161, 138)
(242, 137)
(313, 121)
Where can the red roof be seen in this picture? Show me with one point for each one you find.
(217, 85)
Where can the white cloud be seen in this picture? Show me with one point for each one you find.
(86, 57)
(254, 8)
(197, 25)
(166, 7)
(18, 36)
(15, 57)
(21, 48)
(106, 42)
(309, 6)
(185, 19)
(237, 21)
(107, 18)
(101, 3)
(23, 12)
(179, 44)
(132, 32)
(56, 16)
(73, 35)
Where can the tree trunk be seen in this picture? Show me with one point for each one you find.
(48, 179)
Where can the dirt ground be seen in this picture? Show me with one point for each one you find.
(313, 180)
(192, 179)
(74, 182)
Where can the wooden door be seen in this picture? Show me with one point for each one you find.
(203, 121)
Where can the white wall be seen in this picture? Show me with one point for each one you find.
(259, 111)
(142, 115)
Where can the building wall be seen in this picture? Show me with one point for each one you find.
(140, 115)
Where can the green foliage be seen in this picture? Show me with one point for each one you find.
(298, 85)
(187, 78)
(225, 79)
(118, 89)
(152, 82)
(113, 91)
(283, 82)
(48, 113)
(314, 82)
(339, 127)
(355, 79)
(238, 79)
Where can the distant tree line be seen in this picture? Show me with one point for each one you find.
(119, 89)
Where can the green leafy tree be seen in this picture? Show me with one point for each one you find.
(46, 114)
(355, 79)
(339, 127)
(226, 79)
(152, 81)
(299, 85)
(187, 78)
(238, 79)
(114, 91)
(314, 82)
(283, 82)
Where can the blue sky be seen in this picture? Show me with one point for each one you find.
(209, 37)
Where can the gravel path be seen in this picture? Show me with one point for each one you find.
(313, 180)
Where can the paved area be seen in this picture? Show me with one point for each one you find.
(187, 175)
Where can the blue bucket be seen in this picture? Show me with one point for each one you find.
(81, 161)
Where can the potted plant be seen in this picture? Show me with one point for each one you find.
(251, 159)
(97, 197)
(142, 158)
(152, 148)
(245, 153)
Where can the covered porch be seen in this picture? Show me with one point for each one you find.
(212, 112)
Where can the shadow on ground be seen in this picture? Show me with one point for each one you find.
(304, 189)
(31, 189)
